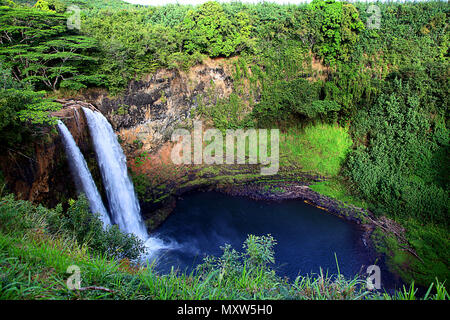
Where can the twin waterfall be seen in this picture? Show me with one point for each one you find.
(124, 209)
(81, 174)
(123, 203)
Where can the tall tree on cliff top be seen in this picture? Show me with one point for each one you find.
(339, 29)
(210, 30)
(39, 49)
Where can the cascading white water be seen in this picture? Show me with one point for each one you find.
(81, 175)
(123, 203)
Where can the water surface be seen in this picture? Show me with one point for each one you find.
(307, 237)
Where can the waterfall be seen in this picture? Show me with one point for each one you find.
(81, 175)
(123, 204)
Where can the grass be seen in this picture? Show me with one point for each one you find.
(34, 260)
(322, 149)
(336, 189)
(429, 241)
(319, 148)
(431, 244)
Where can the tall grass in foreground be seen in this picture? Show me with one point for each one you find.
(34, 258)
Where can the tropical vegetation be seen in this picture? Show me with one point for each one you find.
(365, 107)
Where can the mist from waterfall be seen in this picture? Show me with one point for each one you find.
(81, 174)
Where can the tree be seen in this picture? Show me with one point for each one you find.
(301, 98)
(7, 3)
(42, 5)
(51, 5)
(340, 26)
(209, 30)
(38, 48)
(19, 107)
(402, 165)
(129, 46)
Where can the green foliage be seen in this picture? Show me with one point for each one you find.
(318, 148)
(141, 159)
(76, 224)
(432, 245)
(87, 227)
(58, 6)
(209, 30)
(122, 110)
(398, 166)
(8, 3)
(136, 47)
(429, 241)
(170, 15)
(352, 86)
(38, 49)
(23, 106)
(259, 250)
(7, 81)
(297, 98)
(13, 216)
(42, 5)
(84, 4)
(339, 29)
(227, 113)
(337, 189)
(410, 293)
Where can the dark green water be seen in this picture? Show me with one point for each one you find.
(307, 238)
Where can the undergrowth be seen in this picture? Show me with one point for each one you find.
(34, 259)
(319, 148)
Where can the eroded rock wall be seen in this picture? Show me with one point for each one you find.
(144, 117)
(42, 175)
(151, 108)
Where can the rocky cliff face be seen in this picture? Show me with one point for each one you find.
(151, 108)
(42, 175)
(146, 114)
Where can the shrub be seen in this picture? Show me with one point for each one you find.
(18, 216)
(299, 98)
(340, 26)
(402, 154)
(87, 228)
(209, 30)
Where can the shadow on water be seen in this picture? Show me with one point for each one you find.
(307, 237)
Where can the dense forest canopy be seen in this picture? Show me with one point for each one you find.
(388, 85)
